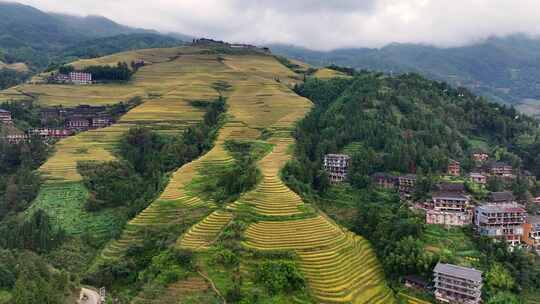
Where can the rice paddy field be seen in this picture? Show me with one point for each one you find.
(339, 266)
(326, 73)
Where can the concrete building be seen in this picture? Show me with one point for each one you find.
(80, 78)
(406, 183)
(502, 221)
(531, 233)
(5, 117)
(457, 284)
(478, 178)
(384, 180)
(454, 168)
(336, 165)
(449, 208)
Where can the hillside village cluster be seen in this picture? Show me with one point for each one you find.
(500, 216)
(71, 120)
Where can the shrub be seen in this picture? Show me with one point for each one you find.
(280, 276)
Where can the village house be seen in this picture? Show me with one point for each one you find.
(478, 178)
(454, 168)
(502, 221)
(451, 187)
(415, 282)
(480, 156)
(5, 117)
(49, 133)
(72, 77)
(406, 183)
(16, 138)
(503, 197)
(384, 180)
(449, 208)
(79, 123)
(501, 169)
(336, 165)
(457, 284)
(101, 121)
(531, 233)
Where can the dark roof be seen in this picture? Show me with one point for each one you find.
(408, 176)
(504, 196)
(382, 175)
(415, 279)
(498, 164)
(449, 195)
(4, 111)
(501, 208)
(451, 187)
(533, 219)
(459, 272)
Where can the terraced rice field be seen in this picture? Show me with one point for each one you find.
(204, 233)
(190, 290)
(339, 266)
(412, 300)
(326, 73)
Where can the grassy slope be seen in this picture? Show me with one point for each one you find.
(256, 102)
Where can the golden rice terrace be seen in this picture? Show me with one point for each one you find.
(339, 266)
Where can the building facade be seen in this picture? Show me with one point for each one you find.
(384, 180)
(478, 178)
(5, 117)
(531, 233)
(454, 168)
(336, 165)
(501, 169)
(406, 183)
(449, 208)
(457, 284)
(80, 78)
(502, 221)
(479, 156)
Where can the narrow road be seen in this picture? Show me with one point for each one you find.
(92, 297)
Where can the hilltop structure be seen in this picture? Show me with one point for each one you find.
(457, 284)
(449, 208)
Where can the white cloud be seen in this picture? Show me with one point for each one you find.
(320, 24)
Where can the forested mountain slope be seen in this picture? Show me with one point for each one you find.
(502, 69)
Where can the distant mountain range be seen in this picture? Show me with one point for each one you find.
(39, 38)
(503, 69)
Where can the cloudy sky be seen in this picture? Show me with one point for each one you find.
(319, 24)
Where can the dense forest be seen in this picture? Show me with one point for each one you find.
(408, 124)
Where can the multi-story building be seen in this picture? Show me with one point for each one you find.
(449, 208)
(336, 165)
(480, 156)
(502, 221)
(50, 133)
(101, 122)
(78, 123)
(531, 233)
(454, 168)
(5, 117)
(501, 169)
(384, 180)
(406, 183)
(503, 197)
(457, 284)
(80, 78)
(478, 178)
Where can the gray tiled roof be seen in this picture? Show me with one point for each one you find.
(459, 272)
(3, 111)
(504, 196)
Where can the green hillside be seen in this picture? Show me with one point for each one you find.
(503, 69)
